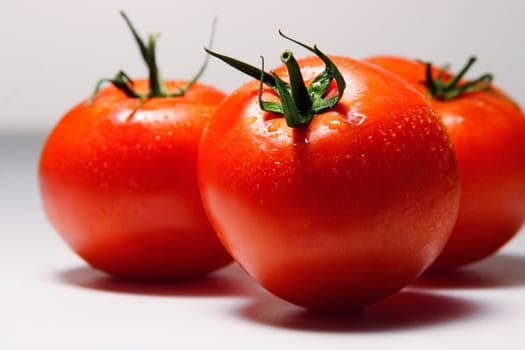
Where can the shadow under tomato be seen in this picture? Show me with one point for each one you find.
(407, 309)
(498, 271)
(228, 281)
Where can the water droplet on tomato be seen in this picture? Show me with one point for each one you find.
(303, 141)
(363, 160)
(355, 118)
(334, 124)
(250, 120)
(274, 126)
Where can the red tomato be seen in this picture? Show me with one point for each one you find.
(343, 211)
(487, 131)
(118, 180)
(121, 187)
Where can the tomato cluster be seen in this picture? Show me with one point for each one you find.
(333, 182)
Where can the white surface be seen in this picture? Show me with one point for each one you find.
(54, 51)
(50, 300)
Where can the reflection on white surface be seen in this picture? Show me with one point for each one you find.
(50, 299)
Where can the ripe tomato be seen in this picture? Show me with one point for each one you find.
(339, 212)
(487, 131)
(118, 181)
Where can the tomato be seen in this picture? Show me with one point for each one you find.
(118, 181)
(342, 211)
(487, 131)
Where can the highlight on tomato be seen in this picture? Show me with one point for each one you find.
(329, 180)
(487, 130)
(118, 176)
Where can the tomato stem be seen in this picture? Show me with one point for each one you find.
(298, 102)
(445, 89)
(156, 84)
(297, 85)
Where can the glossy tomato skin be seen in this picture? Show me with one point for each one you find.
(487, 131)
(343, 212)
(121, 187)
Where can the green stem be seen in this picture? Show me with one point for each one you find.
(155, 81)
(143, 49)
(156, 84)
(297, 85)
(444, 89)
(454, 81)
(298, 102)
(246, 68)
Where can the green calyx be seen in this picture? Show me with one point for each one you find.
(298, 102)
(447, 89)
(123, 82)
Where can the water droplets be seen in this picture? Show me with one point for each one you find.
(363, 160)
(334, 124)
(298, 142)
(274, 126)
(355, 118)
(250, 120)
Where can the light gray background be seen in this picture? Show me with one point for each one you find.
(53, 51)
